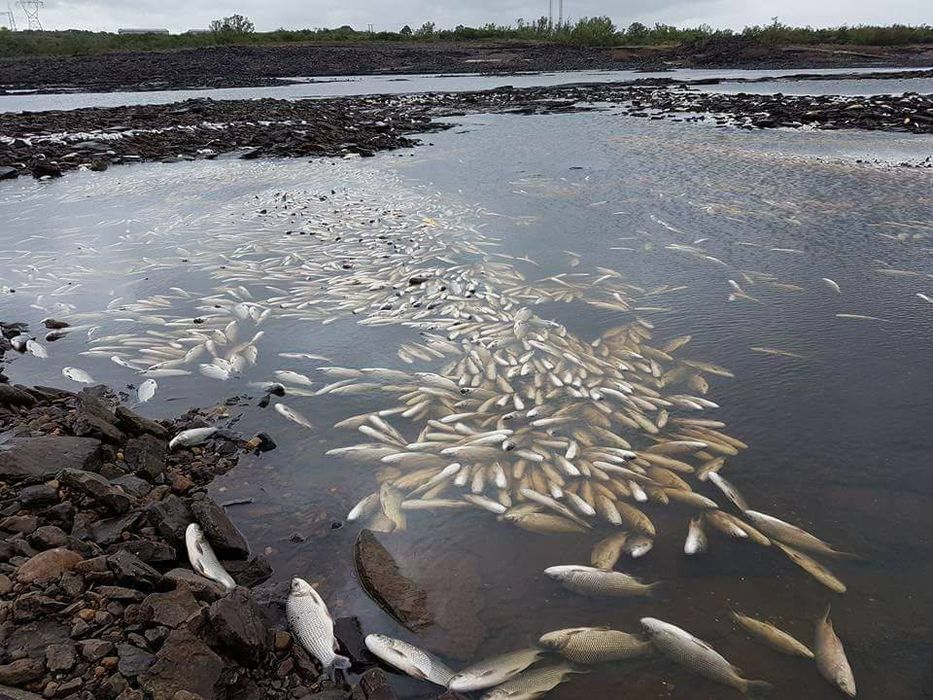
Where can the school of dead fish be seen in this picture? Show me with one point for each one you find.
(523, 420)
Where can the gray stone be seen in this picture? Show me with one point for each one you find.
(96, 487)
(15, 396)
(133, 660)
(108, 530)
(183, 663)
(172, 609)
(137, 425)
(44, 457)
(47, 566)
(133, 485)
(48, 537)
(22, 524)
(93, 418)
(128, 568)
(146, 456)
(238, 623)
(60, 657)
(373, 685)
(227, 541)
(150, 551)
(8, 173)
(94, 649)
(202, 588)
(171, 518)
(40, 494)
(21, 671)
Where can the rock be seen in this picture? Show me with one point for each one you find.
(133, 660)
(129, 568)
(137, 425)
(6, 585)
(48, 537)
(171, 518)
(43, 168)
(60, 657)
(350, 635)
(94, 649)
(8, 173)
(238, 623)
(21, 672)
(150, 551)
(172, 609)
(44, 457)
(451, 695)
(133, 485)
(109, 530)
(37, 495)
(398, 595)
(282, 640)
(96, 487)
(183, 663)
(146, 456)
(8, 693)
(373, 685)
(202, 588)
(22, 524)
(121, 593)
(14, 396)
(95, 419)
(227, 541)
(249, 573)
(47, 566)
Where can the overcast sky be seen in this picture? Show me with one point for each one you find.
(179, 15)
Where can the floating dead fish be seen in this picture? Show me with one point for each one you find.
(532, 684)
(696, 541)
(595, 645)
(831, 657)
(77, 375)
(591, 581)
(146, 390)
(293, 415)
(409, 659)
(493, 671)
(775, 638)
(192, 437)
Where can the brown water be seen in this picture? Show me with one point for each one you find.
(838, 439)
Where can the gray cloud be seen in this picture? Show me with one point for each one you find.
(179, 15)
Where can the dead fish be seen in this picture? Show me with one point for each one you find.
(543, 523)
(607, 551)
(532, 684)
(592, 581)
(775, 638)
(777, 351)
(77, 375)
(146, 390)
(683, 648)
(290, 377)
(790, 534)
(36, 349)
(391, 499)
(313, 627)
(730, 491)
(859, 317)
(409, 659)
(293, 415)
(637, 545)
(595, 645)
(813, 567)
(202, 558)
(189, 438)
(831, 657)
(493, 671)
(696, 541)
(366, 507)
(832, 285)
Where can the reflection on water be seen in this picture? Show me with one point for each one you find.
(404, 84)
(835, 434)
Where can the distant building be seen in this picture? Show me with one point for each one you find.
(198, 31)
(142, 31)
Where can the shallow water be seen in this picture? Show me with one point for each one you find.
(404, 84)
(838, 439)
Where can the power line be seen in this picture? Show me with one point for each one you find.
(31, 10)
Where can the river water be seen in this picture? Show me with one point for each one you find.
(837, 431)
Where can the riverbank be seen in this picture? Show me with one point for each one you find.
(47, 144)
(250, 66)
(98, 597)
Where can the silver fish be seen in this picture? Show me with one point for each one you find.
(189, 438)
(311, 623)
(683, 648)
(831, 657)
(77, 375)
(202, 558)
(592, 581)
(729, 490)
(293, 415)
(146, 390)
(696, 541)
(408, 658)
(594, 645)
(493, 671)
(790, 534)
(532, 684)
(775, 638)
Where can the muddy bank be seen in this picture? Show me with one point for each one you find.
(47, 144)
(244, 66)
(97, 597)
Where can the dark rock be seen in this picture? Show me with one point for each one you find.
(21, 672)
(451, 695)
(133, 660)
(133, 485)
(94, 649)
(398, 595)
(135, 424)
(60, 657)
(202, 588)
(238, 623)
(43, 168)
(172, 609)
(35, 606)
(249, 573)
(121, 593)
(150, 551)
(97, 487)
(373, 685)
(8, 173)
(48, 537)
(108, 530)
(14, 396)
(350, 635)
(94, 419)
(66, 689)
(44, 457)
(6, 585)
(146, 456)
(171, 518)
(22, 524)
(37, 495)
(183, 663)
(129, 568)
(47, 566)
(227, 541)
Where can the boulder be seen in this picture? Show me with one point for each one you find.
(133, 660)
(202, 588)
(398, 595)
(8, 173)
(60, 658)
(96, 487)
(108, 530)
(373, 685)
(171, 518)
(150, 551)
(46, 567)
(21, 672)
(240, 628)
(350, 635)
(130, 569)
(94, 649)
(93, 418)
(184, 663)
(14, 396)
(227, 541)
(49, 537)
(249, 573)
(137, 425)
(37, 495)
(41, 458)
(172, 609)
(146, 456)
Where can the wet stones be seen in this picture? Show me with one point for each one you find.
(239, 625)
(184, 663)
(223, 535)
(146, 456)
(398, 595)
(41, 458)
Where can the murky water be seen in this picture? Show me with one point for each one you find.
(405, 84)
(838, 438)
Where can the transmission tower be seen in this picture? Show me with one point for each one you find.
(31, 10)
(560, 13)
(11, 18)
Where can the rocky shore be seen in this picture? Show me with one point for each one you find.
(97, 598)
(46, 144)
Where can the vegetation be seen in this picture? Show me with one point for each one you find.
(588, 31)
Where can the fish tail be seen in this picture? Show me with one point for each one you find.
(757, 689)
(656, 590)
(338, 662)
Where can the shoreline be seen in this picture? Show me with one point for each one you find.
(98, 596)
(260, 66)
(48, 144)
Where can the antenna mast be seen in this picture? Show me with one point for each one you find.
(11, 18)
(31, 10)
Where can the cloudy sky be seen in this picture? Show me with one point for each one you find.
(179, 15)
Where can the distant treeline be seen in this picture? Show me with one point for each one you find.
(588, 31)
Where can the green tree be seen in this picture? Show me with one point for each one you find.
(405, 31)
(234, 24)
(425, 31)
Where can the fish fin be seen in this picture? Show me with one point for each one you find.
(825, 618)
(578, 668)
(757, 689)
(656, 590)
